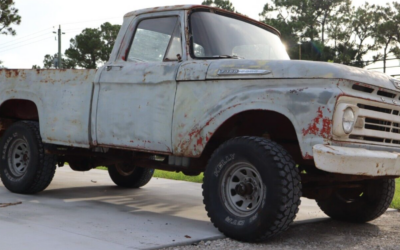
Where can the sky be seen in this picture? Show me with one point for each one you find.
(40, 18)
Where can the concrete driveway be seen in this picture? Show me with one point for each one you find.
(87, 211)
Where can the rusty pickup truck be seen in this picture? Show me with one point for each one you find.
(198, 89)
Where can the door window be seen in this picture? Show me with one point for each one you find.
(153, 38)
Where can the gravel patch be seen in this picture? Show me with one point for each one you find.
(382, 233)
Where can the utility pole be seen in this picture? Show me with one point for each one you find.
(299, 43)
(59, 62)
(59, 48)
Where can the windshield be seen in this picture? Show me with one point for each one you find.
(216, 36)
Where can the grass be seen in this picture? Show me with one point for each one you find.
(396, 199)
(173, 175)
(178, 176)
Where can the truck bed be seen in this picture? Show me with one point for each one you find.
(62, 98)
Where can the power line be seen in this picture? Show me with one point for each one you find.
(92, 20)
(388, 67)
(71, 30)
(12, 45)
(19, 38)
(1, 51)
(7, 44)
(381, 60)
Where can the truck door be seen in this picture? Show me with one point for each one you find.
(137, 93)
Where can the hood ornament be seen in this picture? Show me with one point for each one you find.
(396, 83)
(230, 72)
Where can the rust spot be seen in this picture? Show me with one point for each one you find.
(296, 91)
(313, 128)
(308, 157)
(51, 139)
(200, 142)
(11, 73)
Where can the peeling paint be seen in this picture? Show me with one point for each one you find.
(320, 126)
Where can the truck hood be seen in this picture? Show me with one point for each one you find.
(254, 69)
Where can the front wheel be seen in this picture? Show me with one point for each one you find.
(128, 176)
(251, 189)
(362, 204)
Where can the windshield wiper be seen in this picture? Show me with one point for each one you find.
(228, 56)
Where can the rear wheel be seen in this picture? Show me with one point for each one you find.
(24, 166)
(359, 204)
(251, 189)
(128, 176)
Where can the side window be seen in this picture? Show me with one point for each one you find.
(175, 48)
(153, 38)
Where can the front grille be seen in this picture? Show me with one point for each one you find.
(381, 123)
(362, 88)
(376, 91)
(373, 108)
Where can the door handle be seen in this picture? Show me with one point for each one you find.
(110, 67)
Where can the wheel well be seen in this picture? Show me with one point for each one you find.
(267, 124)
(17, 109)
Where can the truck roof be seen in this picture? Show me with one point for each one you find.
(194, 6)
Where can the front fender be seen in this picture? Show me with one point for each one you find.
(202, 107)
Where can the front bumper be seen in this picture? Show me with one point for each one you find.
(356, 161)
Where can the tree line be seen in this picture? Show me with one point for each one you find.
(8, 16)
(88, 49)
(328, 30)
(333, 30)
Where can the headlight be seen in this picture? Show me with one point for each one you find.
(348, 120)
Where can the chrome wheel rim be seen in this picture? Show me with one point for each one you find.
(242, 189)
(18, 157)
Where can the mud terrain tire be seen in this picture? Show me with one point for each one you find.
(24, 166)
(127, 176)
(251, 189)
(361, 205)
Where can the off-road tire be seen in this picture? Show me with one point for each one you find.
(137, 178)
(280, 180)
(40, 167)
(373, 201)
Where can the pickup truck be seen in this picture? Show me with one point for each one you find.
(199, 89)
